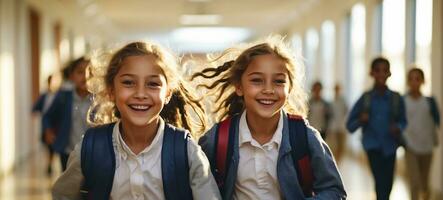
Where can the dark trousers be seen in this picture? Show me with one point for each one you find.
(382, 168)
(64, 160)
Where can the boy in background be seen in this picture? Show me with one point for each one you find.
(381, 114)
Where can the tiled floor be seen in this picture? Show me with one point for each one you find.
(29, 180)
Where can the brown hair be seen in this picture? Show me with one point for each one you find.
(175, 112)
(416, 70)
(228, 74)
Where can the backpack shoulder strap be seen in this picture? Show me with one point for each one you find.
(434, 110)
(175, 167)
(222, 149)
(395, 103)
(98, 162)
(224, 146)
(298, 136)
(367, 101)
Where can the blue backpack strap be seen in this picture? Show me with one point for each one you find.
(98, 162)
(175, 167)
(395, 106)
(434, 110)
(298, 136)
(367, 102)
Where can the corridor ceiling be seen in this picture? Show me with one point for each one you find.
(132, 17)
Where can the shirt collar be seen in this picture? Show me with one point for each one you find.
(245, 132)
(124, 149)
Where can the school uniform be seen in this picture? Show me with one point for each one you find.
(319, 115)
(68, 117)
(378, 142)
(42, 105)
(139, 176)
(421, 138)
(267, 171)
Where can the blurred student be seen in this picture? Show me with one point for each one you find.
(337, 129)
(420, 134)
(65, 121)
(381, 114)
(319, 111)
(41, 106)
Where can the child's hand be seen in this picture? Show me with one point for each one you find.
(364, 118)
(49, 136)
(396, 133)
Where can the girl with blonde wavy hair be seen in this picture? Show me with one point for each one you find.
(139, 148)
(260, 104)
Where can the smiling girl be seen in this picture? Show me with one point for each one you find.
(280, 156)
(137, 152)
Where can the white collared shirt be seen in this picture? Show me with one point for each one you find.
(420, 132)
(80, 107)
(139, 176)
(257, 171)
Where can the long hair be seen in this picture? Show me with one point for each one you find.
(235, 61)
(183, 110)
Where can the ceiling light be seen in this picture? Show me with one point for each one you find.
(200, 19)
(207, 39)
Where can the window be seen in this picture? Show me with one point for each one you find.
(297, 44)
(357, 67)
(327, 58)
(393, 41)
(423, 39)
(311, 55)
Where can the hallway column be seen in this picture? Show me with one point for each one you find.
(340, 51)
(373, 33)
(7, 85)
(437, 90)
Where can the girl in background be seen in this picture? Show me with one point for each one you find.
(421, 134)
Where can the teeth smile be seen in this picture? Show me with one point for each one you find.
(266, 102)
(139, 107)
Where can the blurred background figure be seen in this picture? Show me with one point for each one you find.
(319, 111)
(380, 112)
(421, 134)
(66, 119)
(337, 129)
(41, 106)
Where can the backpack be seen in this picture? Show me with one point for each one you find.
(98, 163)
(297, 136)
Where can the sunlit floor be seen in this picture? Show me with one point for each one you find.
(30, 182)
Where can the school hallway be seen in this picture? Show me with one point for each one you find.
(333, 40)
(29, 180)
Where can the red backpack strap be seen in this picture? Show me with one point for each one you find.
(298, 136)
(222, 150)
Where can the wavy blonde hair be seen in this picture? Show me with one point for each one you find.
(232, 63)
(183, 109)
